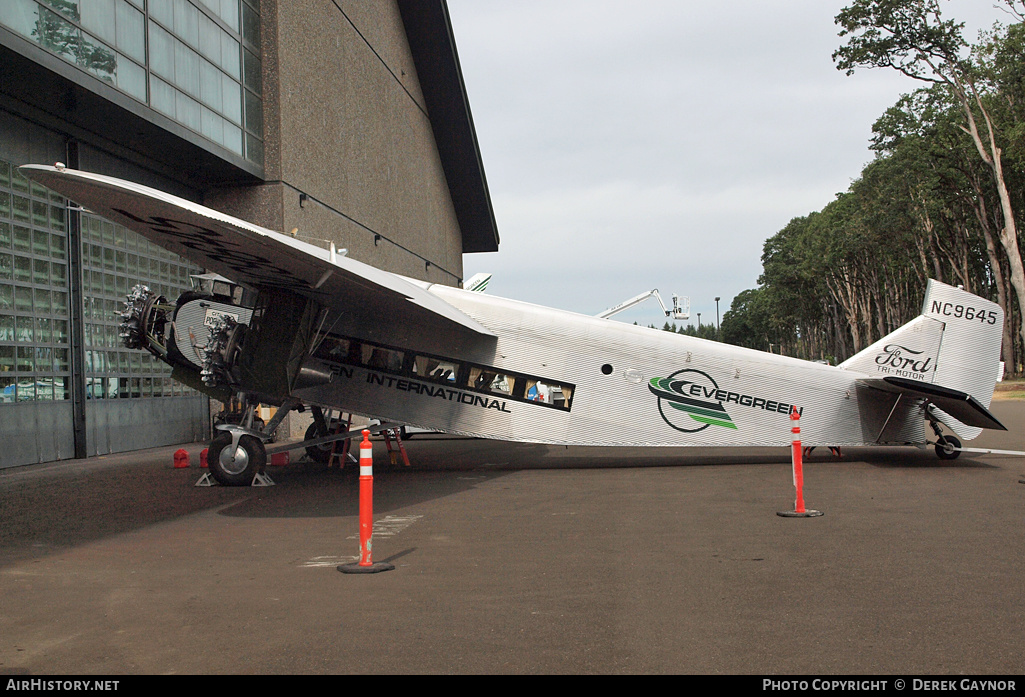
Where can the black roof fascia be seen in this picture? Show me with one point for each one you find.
(432, 43)
(65, 98)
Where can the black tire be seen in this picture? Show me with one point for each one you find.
(250, 459)
(945, 448)
(320, 453)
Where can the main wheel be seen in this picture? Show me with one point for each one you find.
(946, 448)
(321, 453)
(238, 468)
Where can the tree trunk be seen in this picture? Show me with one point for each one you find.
(992, 156)
(996, 268)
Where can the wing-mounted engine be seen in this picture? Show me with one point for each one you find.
(199, 333)
(269, 356)
(219, 346)
(220, 355)
(144, 321)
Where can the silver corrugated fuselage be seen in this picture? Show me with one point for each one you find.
(714, 394)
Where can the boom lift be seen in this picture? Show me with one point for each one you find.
(677, 312)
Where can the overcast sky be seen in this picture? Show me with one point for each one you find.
(659, 143)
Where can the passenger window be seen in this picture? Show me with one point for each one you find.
(333, 349)
(435, 369)
(562, 395)
(549, 393)
(445, 371)
(382, 358)
(491, 381)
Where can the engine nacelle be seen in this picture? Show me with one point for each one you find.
(188, 335)
(219, 347)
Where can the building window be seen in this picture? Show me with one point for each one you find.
(203, 64)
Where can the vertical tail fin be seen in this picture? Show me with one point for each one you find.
(954, 343)
(973, 329)
(478, 282)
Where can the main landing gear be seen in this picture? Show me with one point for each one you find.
(834, 449)
(236, 459)
(322, 427)
(237, 455)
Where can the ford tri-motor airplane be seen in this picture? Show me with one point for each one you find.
(331, 332)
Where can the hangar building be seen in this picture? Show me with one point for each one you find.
(347, 120)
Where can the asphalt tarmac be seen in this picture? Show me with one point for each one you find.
(513, 559)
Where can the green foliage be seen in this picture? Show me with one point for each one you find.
(747, 322)
(63, 38)
(705, 331)
(908, 35)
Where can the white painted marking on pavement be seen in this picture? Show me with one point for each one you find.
(389, 526)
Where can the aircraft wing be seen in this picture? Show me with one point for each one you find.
(249, 254)
(960, 405)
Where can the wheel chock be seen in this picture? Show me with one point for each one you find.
(260, 479)
(206, 480)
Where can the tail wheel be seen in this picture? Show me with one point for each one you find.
(947, 448)
(238, 468)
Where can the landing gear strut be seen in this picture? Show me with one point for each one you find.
(238, 454)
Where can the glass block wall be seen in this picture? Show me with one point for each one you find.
(113, 260)
(34, 305)
(195, 61)
(35, 336)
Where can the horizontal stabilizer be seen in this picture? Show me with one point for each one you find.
(960, 405)
(249, 254)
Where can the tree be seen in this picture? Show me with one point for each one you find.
(746, 323)
(921, 133)
(794, 284)
(912, 37)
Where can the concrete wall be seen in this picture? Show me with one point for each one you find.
(346, 125)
